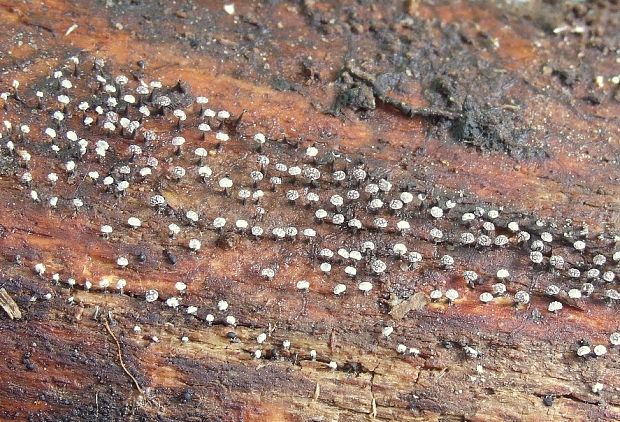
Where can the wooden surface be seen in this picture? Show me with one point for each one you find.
(504, 106)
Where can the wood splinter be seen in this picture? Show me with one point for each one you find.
(9, 305)
(120, 356)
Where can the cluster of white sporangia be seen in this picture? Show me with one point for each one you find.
(331, 192)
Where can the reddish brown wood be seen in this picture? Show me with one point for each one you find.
(60, 362)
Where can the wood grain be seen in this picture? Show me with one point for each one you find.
(523, 75)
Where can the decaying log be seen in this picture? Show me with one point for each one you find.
(396, 210)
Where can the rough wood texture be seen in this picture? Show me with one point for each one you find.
(504, 106)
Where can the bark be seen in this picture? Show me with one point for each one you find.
(507, 106)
